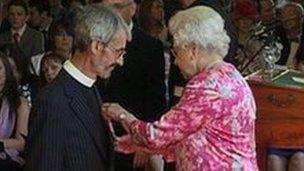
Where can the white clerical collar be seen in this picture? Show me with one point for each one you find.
(77, 74)
(131, 25)
(20, 31)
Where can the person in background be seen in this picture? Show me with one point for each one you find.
(62, 34)
(140, 84)
(4, 24)
(40, 18)
(51, 64)
(27, 82)
(213, 126)
(292, 22)
(30, 41)
(56, 8)
(66, 131)
(151, 19)
(249, 55)
(14, 114)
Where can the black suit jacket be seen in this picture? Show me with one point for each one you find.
(64, 134)
(138, 85)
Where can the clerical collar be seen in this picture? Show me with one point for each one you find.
(130, 26)
(20, 31)
(77, 74)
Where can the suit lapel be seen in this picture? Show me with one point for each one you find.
(25, 37)
(84, 114)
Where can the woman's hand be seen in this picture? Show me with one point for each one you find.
(113, 111)
(124, 144)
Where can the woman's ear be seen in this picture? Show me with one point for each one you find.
(194, 52)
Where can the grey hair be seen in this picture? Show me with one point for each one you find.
(201, 26)
(97, 21)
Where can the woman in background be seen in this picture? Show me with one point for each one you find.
(61, 35)
(151, 19)
(14, 113)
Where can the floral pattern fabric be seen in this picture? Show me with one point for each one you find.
(211, 128)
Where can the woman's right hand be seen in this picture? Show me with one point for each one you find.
(113, 111)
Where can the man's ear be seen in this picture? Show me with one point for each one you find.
(96, 47)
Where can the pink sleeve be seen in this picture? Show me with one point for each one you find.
(196, 108)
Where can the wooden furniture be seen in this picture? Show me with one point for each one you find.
(280, 116)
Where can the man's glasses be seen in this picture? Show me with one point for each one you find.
(118, 52)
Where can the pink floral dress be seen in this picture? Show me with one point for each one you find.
(212, 128)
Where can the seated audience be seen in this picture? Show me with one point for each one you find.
(212, 126)
(14, 113)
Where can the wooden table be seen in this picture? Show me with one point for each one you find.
(280, 116)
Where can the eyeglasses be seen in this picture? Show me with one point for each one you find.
(118, 52)
(173, 52)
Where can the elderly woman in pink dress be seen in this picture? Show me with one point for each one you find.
(212, 126)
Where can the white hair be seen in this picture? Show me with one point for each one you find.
(97, 21)
(202, 26)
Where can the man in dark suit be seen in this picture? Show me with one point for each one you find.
(139, 85)
(66, 130)
(30, 41)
